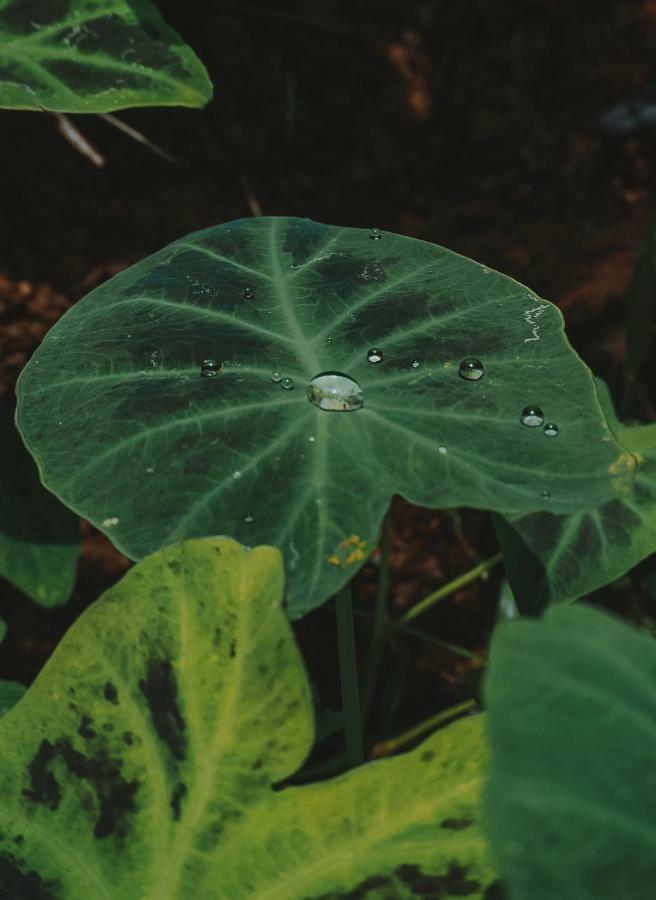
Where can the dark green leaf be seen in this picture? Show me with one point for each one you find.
(83, 56)
(130, 434)
(570, 806)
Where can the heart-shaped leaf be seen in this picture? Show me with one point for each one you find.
(571, 797)
(39, 538)
(278, 380)
(140, 764)
(562, 557)
(81, 56)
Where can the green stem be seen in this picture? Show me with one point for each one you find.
(384, 748)
(348, 677)
(381, 622)
(449, 589)
(444, 645)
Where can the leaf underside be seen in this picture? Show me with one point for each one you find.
(128, 433)
(82, 56)
(141, 762)
(550, 558)
(569, 804)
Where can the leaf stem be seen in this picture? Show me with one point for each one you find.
(445, 645)
(381, 620)
(450, 588)
(384, 748)
(348, 677)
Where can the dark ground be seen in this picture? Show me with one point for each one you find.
(473, 125)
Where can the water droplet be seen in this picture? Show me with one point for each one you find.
(532, 416)
(276, 378)
(374, 355)
(329, 340)
(471, 369)
(443, 450)
(335, 391)
(372, 272)
(551, 430)
(150, 470)
(110, 522)
(415, 364)
(545, 494)
(287, 384)
(248, 518)
(236, 474)
(375, 234)
(155, 359)
(312, 439)
(248, 293)
(210, 367)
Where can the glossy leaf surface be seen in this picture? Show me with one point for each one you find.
(39, 538)
(140, 764)
(180, 398)
(82, 56)
(571, 797)
(557, 558)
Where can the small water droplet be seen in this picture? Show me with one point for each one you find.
(236, 474)
(151, 315)
(209, 368)
(335, 392)
(276, 377)
(443, 450)
(372, 272)
(374, 355)
(287, 384)
(415, 363)
(532, 416)
(375, 234)
(155, 359)
(329, 340)
(248, 293)
(110, 522)
(545, 494)
(248, 518)
(150, 470)
(471, 369)
(312, 439)
(551, 430)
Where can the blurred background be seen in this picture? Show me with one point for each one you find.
(522, 134)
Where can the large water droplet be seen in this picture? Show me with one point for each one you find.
(287, 384)
(532, 416)
(471, 369)
(210, 367)
(276, 377)
(335, 392)
(155, 359)
(372, 272)
(375, 234)
(551, 430)
(374, 355)
(248, 293)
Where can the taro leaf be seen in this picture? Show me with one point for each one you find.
(570, 805)
(39, 538)
(128, 432)
(81, 56)
(10, 694)
(551, 558)
(141, 762)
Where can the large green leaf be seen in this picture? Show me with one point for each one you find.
(141, 763)
(558, 558)
(39, 538)
(128, 432)
(83, 56)
(570, 805)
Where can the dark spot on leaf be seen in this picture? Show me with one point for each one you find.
(17, 882)
(19, 839)
(457, 824)
(44, 787)
(128, 738)
(85, 730)
(427, 756)
(495, 891)
(233, 649)
(257, 765)
(110, 693)
(216, 640)
(452, 884)
(159, 687)
(373, 886)
(176, 799)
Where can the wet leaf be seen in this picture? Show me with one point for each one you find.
(188, 396)
(155, 734)
(569, 805)
(81, 56)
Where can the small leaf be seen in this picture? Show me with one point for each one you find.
(558, 558)
(141, 763)
(570, 801)
(81, 56)
(39, 538)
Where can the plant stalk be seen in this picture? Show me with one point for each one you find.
(385, 748)
(381, 621)
(348, 677)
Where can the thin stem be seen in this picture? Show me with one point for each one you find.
(348, 677)
(449, 589)
(381, 621)
(444, 645)
(384, 748)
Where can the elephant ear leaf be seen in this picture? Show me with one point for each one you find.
(81, 56)
(141, 764)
